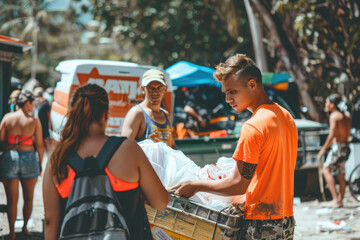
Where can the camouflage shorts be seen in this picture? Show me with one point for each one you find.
(269, 229)
(337, 157)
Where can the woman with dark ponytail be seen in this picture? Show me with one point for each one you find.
(20, 163)
(84, 133)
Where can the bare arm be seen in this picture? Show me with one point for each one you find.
(173, 145)
(236, 184)
(189, 110)
(51, 206)
(39, 141)
(131, 164)
(330, 137)
(132, 124)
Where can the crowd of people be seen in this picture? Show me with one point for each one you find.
(266, 156)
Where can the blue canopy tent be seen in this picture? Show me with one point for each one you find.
(185, 74)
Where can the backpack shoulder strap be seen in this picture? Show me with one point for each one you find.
(76, 163)
(106, 152)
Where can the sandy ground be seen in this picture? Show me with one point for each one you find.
(315, 222)
(312, 221)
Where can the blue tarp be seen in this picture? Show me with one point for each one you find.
(185, 74)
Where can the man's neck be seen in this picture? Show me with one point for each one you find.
(261, 99)
(153, 107)
(334, 111)
(25, 112)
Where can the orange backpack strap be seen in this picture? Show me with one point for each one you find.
(64, 187)
(78, 165)
(119, 185)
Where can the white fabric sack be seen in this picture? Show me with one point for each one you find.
(173, 167)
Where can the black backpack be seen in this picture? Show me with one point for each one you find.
(92, 210)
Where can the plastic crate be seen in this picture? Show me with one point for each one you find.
(195, 221)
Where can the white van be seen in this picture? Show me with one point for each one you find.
(121, 80)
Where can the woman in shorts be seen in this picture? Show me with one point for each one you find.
(20, 162)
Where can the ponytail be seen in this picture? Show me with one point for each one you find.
(88, 105)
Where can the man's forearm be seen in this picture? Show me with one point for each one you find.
(189, 110)
(227, 186)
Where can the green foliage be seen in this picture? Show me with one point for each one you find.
(58, 38)
(157, 33)
(324, 34)
(167, 31)
(328, 34)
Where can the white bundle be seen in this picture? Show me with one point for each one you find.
(173, 167)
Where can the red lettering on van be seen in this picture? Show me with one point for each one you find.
(121, 89)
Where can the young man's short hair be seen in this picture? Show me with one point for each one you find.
(238, 65)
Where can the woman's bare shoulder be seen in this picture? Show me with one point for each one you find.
(9, 116)
(129, 146)
(131, 149)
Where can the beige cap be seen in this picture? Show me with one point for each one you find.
(153, 75)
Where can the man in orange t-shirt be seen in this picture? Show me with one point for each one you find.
(265, 155)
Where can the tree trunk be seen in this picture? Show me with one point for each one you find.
(260, 57)
(287, 54)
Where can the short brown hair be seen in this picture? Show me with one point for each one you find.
(237, 65)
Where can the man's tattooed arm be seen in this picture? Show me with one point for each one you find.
(248, 170)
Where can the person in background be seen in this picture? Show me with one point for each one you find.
(49, 94)
(84, 133)
(203, 108)
(197, 114)
(338, 142)
(20, 162)
(148, 120)
(43, 113)
(266, 155)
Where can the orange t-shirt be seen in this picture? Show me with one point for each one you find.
(269, 139)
